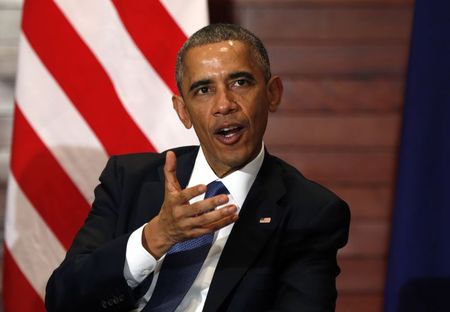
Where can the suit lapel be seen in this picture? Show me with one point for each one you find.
(257, 221)
(151, 195)
(185, 165)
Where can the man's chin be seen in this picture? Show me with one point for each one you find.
(236, 162)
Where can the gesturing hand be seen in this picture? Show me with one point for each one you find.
(178, 220)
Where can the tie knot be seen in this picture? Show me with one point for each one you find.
(215, 188)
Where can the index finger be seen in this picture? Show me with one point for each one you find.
(170, 173)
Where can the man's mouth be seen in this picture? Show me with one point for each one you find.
(229, 134)
(229, 131)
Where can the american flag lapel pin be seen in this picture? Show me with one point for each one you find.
(265, 220)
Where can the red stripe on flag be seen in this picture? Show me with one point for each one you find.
(18, 294)
(45, 183)
(156, 34)
(82, 77)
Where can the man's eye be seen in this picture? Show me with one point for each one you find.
(203, 90)
(240, 83)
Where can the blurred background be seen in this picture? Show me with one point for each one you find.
(343, 63)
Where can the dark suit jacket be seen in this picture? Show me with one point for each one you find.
(288, 264)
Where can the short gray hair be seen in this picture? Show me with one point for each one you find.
(215, 33)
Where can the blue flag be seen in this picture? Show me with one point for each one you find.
(419, 263)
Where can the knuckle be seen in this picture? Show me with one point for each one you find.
(210, 205)
(223, 212)
(202, 218)
(197, 209)
(217, 200)
(182, 197)
(175, 196)
(177, 214)
(214, 227)
(171, 198)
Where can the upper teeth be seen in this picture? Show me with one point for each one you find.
(228, 129)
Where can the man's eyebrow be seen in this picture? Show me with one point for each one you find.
(242, 74)
(199, 83)
(235, 75)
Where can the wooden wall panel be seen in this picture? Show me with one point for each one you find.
(366, 202)
(2, 216)
(10, 16)
(368, 168)
(331, 130)
(324, 23)
(371, 3)
(361, 275)
(2, 204)
(360, 302)
(8, 60)
(4, 168)
(5, 131)
(337, 60)
(368, 238)
(342, 95)
(9, 23)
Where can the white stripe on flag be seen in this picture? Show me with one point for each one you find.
(142, 92)
(33, 246)
(59, 125)
(189, 15)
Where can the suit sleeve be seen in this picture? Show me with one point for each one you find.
(91, 276)
(307, 278)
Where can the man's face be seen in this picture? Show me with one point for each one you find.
(227, 100)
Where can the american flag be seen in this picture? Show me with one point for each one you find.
(95, 78)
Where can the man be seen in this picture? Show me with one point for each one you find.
(273, 235)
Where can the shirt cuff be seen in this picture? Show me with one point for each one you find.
(139, 263)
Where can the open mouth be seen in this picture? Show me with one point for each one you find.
(229, 131)
(229, 134)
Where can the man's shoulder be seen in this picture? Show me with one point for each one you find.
(298, 186)
(145, 164)
(152, 158)
(308, 201)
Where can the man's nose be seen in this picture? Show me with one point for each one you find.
(226, 102)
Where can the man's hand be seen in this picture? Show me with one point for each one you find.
(178, 220)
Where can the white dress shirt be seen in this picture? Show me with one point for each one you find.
(139, 263)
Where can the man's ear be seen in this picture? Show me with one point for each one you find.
(180, 107)
(274, 93)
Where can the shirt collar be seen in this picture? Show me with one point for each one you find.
(238, 182)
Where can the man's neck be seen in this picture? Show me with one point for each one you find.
(221, 170)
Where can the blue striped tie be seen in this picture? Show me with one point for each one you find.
(181, 265)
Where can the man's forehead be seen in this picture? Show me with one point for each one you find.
(222, 46)
(219, 51)
(218, 59)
